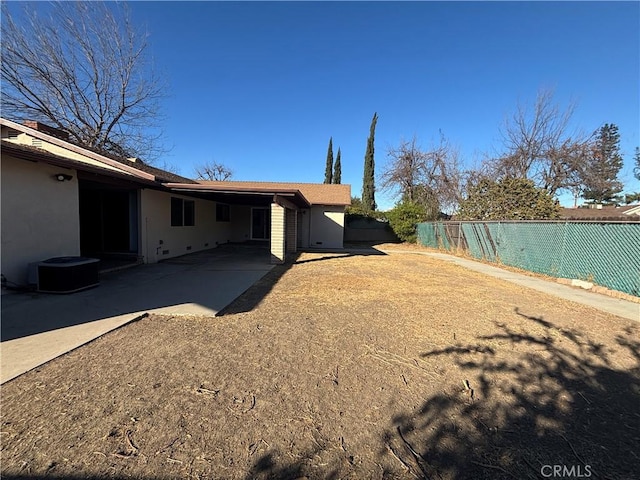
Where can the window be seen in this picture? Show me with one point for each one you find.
(183, 212)
(176, 212)
(189, 213)
(222, 213)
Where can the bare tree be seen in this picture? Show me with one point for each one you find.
(84, 70)
(539, 146)
(213, 171)
(419, 175)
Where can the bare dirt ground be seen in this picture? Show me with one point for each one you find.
(377, 366)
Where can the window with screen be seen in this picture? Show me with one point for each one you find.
(223, 213)
(183, 212)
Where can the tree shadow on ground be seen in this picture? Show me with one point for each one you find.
(259, 290)
(268, 467)
(275, 466)
(550, 405)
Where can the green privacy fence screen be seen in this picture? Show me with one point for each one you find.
(606, 253)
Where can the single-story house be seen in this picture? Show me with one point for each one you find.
(60, 199)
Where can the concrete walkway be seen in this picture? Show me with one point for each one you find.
(615, 306)
(37, 328)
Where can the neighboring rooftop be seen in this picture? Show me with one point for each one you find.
(626, 213)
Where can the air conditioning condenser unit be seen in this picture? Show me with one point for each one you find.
(67, 274)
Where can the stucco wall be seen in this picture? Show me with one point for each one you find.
(40, 216)
(160, 240)
(327, 226)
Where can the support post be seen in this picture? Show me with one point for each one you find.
(277, 233)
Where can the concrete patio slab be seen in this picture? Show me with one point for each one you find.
(39, 327)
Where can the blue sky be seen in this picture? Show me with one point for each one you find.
(262, 86)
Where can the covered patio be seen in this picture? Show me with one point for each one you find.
(259, 214)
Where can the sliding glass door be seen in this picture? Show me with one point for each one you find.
(260, 223)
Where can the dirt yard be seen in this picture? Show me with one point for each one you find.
(362, 366)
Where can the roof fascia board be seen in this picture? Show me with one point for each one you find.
(632, 211)
(198, 187)
(76, 149)
(280, 200)
(232, 192)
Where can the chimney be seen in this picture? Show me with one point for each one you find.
(41, 127)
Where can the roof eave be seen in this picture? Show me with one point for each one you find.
(23, 152)
(298, 197)
(76, 149)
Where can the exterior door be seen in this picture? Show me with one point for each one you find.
(260, 223)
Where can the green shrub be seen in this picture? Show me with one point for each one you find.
(508, 199)
(404, 219)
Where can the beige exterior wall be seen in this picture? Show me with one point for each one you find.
(160, 240)
(40, 216)
(327, 226)
(277, 233)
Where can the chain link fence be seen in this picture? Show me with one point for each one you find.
(606, 253)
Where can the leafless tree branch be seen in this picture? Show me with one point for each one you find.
(417, 174)
(213, 171)
(84, 69)
(538, 146)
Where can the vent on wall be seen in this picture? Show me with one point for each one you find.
(36, 142)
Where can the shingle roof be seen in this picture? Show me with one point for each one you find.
(315, 193)
(161, 175)
(608, 212)
(44, 132)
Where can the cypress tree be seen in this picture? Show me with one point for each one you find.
(368, 183)
(601, 182)
(337, 169)
(329, 166)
